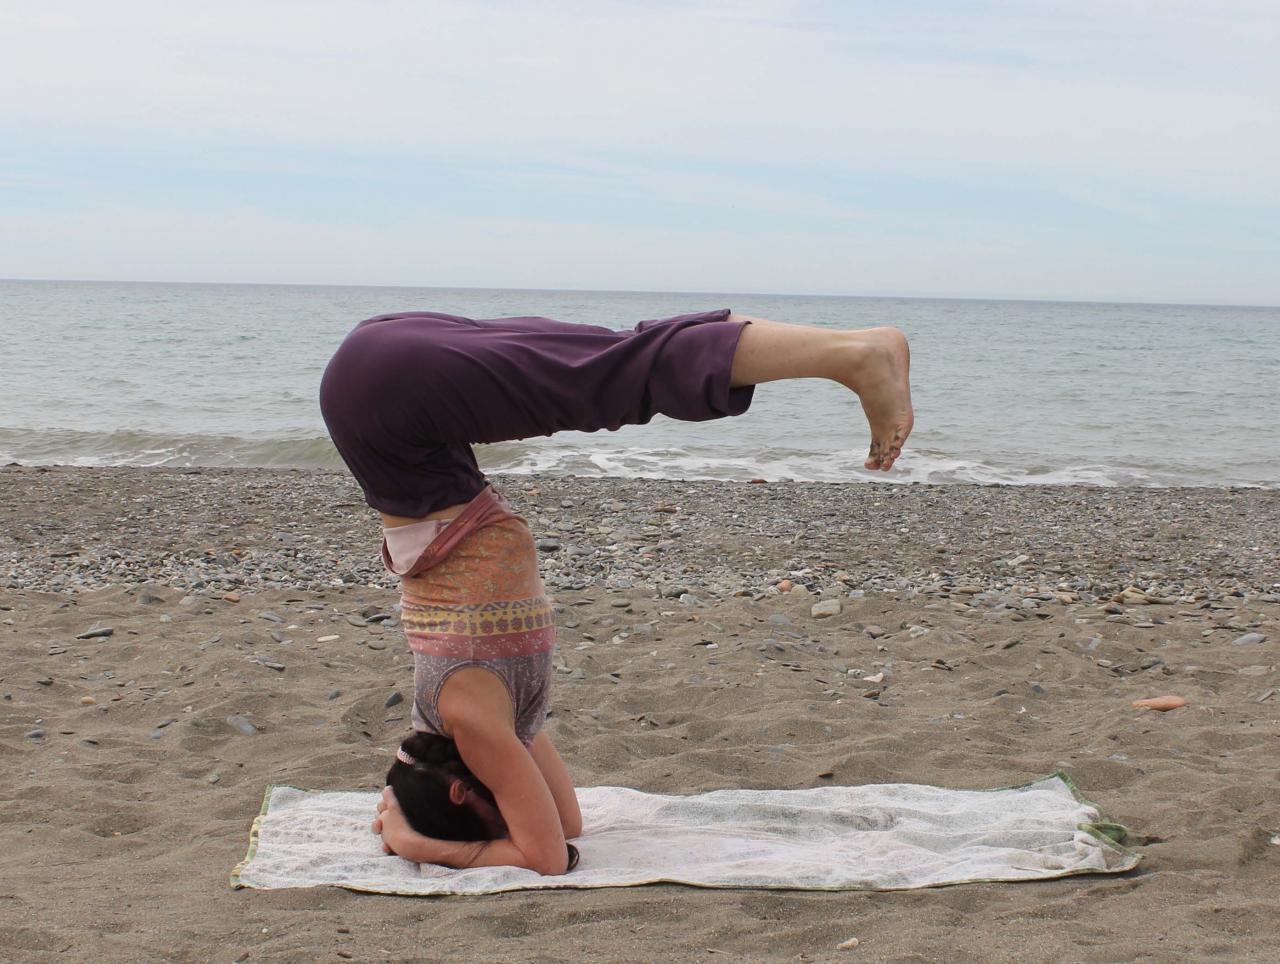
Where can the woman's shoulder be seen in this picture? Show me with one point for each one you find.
(476, 698)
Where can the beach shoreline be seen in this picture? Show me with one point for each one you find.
(1013, 626)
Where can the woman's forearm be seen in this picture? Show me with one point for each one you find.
(486, 853)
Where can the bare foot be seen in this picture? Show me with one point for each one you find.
(879, 372)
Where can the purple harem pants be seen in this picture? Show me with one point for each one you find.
(406, 395)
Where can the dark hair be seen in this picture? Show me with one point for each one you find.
(422, 790)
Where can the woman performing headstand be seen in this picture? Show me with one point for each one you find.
(404, 398)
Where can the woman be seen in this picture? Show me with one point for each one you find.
(404, 398)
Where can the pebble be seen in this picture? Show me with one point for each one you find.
(825, 608)
(102, 633)
(874, 631)
(242, 723)
(547, 545)
(45, 681)
(1255, 670)
(231, 597)
(376, 644)
(1161, 703)
(1249, 639)
(334, 694)
(270, 617)
(212, 778)
(87, 701)
(848, 945)
(156, 734)
(34, 735)
(278, 667)
(1150, 662)
(395, 698)
(327, 639)
(784, 585)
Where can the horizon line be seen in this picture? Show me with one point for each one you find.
(656, 291)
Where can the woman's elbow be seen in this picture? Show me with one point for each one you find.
(550, 866)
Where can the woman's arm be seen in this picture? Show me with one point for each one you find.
(401, 839)
(493, 752)
(559, 782)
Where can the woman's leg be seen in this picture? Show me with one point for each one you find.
(874, 363)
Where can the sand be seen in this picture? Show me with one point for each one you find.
(126, 796)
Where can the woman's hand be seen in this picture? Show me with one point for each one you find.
(397, 836)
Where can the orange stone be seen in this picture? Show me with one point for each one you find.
(1161, 703)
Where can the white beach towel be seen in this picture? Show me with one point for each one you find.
(878, 837)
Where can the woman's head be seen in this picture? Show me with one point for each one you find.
(439, 795)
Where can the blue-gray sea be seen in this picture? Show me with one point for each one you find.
(1010, 392)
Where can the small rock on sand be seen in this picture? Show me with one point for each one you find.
(874, 631)
(101, 633)
(242, 723)
(1161, 703)
(394, 699)
(1249, 639)
(825, 608)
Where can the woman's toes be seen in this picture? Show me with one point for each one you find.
(377, 825)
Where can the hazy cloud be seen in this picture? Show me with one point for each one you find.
(665, 119)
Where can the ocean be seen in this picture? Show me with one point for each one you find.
(1009, 392)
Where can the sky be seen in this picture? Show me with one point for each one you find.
(1125, 151)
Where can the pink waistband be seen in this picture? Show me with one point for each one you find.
(440, 536)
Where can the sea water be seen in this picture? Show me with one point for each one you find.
(1010, 392)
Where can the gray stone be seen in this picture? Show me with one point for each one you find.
(242, 723)
(270, 617)
(825, 608)
(212, 778)
(34, 735)
(377, 644)
(1248, 639)
(394, 699)
(548, 545)
(102, 633)
(874, 631)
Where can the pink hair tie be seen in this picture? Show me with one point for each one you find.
(404, 757)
